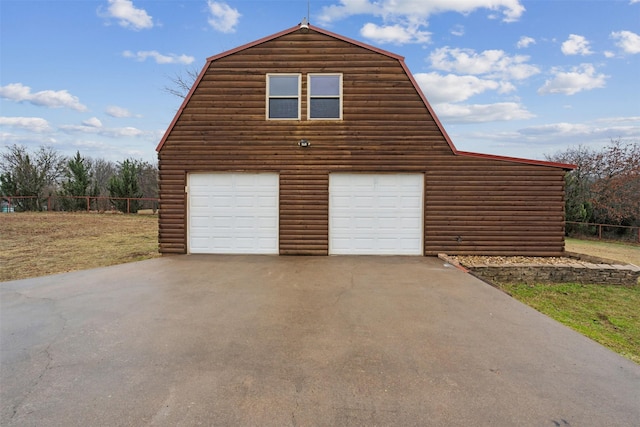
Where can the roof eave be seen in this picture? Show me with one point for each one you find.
(565, 166)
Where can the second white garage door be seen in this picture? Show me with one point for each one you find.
(233, 213)
(375, 214)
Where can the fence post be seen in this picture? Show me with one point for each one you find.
(48, 204)
(599, 231)
(88, 204)
(128, 201)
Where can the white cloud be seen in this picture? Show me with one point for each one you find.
(452, 88)
(119, 112)
(93, 122)
(603, 129)
(160, 58)
(628, 41)
(395, 34)
(91, 128)
(582, 77)
(404, 18)
(557, 129)
(576, 45)
(128, 15)
(480, 113)
(417, 9)
(525, 41)
(535, 141)
(458, 31)
(33, 124)
(492, 63)
(30, 139)
(46, 98)
(223, 17)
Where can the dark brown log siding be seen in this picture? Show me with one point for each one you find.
(478, 206)
(472, 205)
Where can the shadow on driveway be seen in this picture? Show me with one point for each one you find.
(300, 341)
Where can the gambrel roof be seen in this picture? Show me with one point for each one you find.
(399, 58)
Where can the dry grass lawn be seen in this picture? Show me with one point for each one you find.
(624, 252)
(40, 243)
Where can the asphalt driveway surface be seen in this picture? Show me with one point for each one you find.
(296, 341)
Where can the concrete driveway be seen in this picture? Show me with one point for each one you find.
(296, 341)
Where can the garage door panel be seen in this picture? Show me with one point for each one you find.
(376, 213)
(233, 213)
(200, 201)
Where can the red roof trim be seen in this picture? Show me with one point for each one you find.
(566, 166)
(357, 43)
(374, 49)
(253, 43)
(431, 111)
(184, 104)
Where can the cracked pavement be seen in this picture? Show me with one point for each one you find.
(264, 340)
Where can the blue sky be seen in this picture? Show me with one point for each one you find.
(507, 77)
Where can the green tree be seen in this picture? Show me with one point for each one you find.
(78, 183)
(125, 185)
(29, 174)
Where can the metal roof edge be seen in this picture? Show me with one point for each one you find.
(184, 104)
(297, 27)
(255, 43)
(400, 58)
(565, 166)
(429, 108)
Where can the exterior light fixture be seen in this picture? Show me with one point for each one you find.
(304, 26)
(304, 143)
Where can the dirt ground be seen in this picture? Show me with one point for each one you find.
(39, 243)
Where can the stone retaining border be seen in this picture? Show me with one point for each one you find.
(591, 270)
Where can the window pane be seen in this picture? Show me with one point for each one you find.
(325, 108)
(325, 85)
(283, 108)
(283, 85)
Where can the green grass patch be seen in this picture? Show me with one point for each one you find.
(609, 315)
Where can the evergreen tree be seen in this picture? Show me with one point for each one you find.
(125, 185)
(78, 183)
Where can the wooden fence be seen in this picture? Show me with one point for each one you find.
(76, 203)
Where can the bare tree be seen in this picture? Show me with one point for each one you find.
(30, 174)
(616, 189)
(103, 170)
(605, 185)
(181, 83)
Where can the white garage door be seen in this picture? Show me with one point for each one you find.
(233, 213)
(375, 214)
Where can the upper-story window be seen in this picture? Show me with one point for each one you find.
(283, 96)
(325, 96)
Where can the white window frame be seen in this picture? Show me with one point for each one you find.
(340, 97)
(269, 97)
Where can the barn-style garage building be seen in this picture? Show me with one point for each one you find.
(306, 142)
